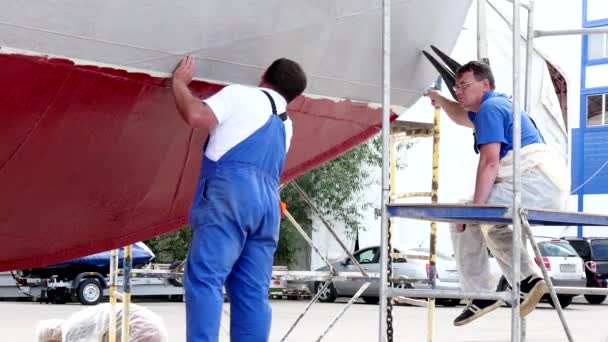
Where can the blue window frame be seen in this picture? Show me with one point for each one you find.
(597, 48)
(594, 5)
(596, 109)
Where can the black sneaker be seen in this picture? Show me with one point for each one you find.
(476, 309)
(531, 290)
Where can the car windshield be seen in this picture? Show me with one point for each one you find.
(556, 249)
(426, 250)
(600, 248)
(366, 256)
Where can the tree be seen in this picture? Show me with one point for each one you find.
(172, 246)
(335, 187)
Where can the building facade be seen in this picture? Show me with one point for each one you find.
(589, 142)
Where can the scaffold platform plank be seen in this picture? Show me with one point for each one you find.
(486, 214)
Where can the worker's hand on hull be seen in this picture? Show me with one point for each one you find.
(185, 70)
(434, 95)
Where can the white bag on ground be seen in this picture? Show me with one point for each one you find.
(92, 325)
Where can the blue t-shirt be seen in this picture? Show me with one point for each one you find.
(494, 123)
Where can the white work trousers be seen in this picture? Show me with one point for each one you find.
(544, 186)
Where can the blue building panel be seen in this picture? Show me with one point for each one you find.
(590, 155)
(589, 144)
(576, 163)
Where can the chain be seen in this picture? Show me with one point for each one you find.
(389, 300)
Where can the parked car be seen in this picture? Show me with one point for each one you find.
(564, 266)
(594, 251)
(409, 264)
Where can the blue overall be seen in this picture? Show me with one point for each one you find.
(235, 222)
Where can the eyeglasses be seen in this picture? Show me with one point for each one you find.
(462, 86)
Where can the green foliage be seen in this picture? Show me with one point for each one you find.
(289, 240)
(172, 246)
(335, 188)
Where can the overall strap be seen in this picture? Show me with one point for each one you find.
(283, 115)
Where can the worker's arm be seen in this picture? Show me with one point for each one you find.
(194, 111)
(452, 108)
(487, 169)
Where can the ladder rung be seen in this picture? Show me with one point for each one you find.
(430, 293)
(119, 295)
(411, 194)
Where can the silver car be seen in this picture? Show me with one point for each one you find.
(410, 264)
(564, 266)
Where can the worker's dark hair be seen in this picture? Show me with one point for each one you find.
(286, 77)
(481, 71)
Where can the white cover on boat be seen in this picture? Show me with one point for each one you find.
(338, 42)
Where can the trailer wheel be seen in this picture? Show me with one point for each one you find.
(89, 292)
(176, 298)
(595, 299)
(564, 300)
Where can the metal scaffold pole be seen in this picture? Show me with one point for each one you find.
(516, 263)
(113, 284)
(433, 232)
(521, 218)
(385, 325)
(127, 264)
(529, 48)
(124, 296)
(482, 32)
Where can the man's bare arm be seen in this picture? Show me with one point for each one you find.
(194, 111)
(452, 108)
(487, 169)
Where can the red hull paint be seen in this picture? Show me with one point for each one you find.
(95, 158)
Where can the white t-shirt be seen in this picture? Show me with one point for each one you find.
(240, 111)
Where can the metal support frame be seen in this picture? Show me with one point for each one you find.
(411, 194)
(385, 332)
(124, 296)
(575, 32)
(400, 131)
(433, 231)
(113, 284)
(329, 227)
(516, 254)
(350, 302)
(517, 215)
(524, 218)
(332, 275)
(482, 32)
(326, 277)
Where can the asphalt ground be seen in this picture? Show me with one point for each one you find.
(360, 323)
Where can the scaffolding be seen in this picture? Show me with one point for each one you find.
(400, 130)
(516, 215)
(124, 296)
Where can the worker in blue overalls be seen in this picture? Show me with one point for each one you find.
(235, 212)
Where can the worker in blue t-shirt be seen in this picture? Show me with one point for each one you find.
(544, 180)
